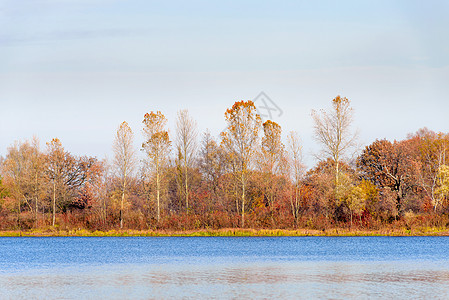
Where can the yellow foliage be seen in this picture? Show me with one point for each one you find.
(443, 182)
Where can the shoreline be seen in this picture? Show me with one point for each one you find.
(227, 232)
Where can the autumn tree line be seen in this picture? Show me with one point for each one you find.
(247, 177)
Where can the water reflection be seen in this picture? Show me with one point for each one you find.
(265, 280)
(146, 268)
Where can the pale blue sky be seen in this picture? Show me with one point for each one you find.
(76, 69)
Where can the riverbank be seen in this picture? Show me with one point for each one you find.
(428, 231)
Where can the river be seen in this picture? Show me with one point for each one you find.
(224, 267)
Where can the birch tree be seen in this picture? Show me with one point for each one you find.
(240, 139)
(157, 147)
(38, 176)
(186, 144)
(294, 150)
(433, 150)
(124, 159)
(56, 157)
(333, 131)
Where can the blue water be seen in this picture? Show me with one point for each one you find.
(224, 267)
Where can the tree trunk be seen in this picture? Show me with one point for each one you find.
(295, 205)
(186, 184)
(243, 201)
(35, 221)
(35, 195)
(54, 204)
(158, 194)
(18, 214)
(104, 210)
(336, 172)
(237, 202)
(292, 204)
(122, 203)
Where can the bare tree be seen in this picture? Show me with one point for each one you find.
(157, 147)
(211, 161)
(297, 170)
(38, 175)
(240, 139)
(56, 161)
(186, 143)
(333, 131)
(433, 150)
(124, 159)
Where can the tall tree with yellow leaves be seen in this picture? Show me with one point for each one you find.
(240, 139)
(157, 147)
(273, 156)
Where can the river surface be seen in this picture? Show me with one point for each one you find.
(224, 267)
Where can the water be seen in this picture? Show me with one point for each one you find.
(221, 267)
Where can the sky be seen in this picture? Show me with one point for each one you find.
(76, 69)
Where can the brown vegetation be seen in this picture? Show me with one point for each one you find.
(249, 179)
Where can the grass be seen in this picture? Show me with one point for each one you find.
(229, 232)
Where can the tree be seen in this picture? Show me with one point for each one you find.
(239, 140)
(24, 167)
(89, 171)
(273, 156)
(442, 190)
(272, 147)
(124, 159)
(297, 168)
(38, 175)
(325, 197)
(211, 161)
(433, 150)
(391, 165)
(351, 197)
(186, 143)
(67, 175)
(333, 131)
(157, 147)
(57, 160)
(3, 190)
(15, 168)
